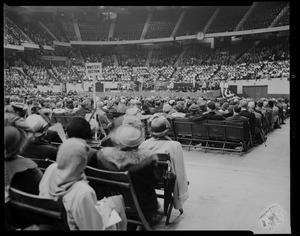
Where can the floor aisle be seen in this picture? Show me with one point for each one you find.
(232, 192)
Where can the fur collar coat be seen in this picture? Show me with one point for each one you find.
(115, 159)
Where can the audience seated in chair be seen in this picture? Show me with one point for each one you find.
(140, 163)
(161, 143)
(20, 173)
(40, 146)
(80, 128)
(84, 109)
(66, 178)
(210, 115)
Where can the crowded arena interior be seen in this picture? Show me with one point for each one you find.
(104, 107)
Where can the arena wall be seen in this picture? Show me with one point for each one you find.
(276, 87)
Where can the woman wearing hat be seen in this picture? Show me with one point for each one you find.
(125, 156)
(40, 146)
(161, 143)
(84, 109)
(20, 173)
(66, 178)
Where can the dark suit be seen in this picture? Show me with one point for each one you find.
(252, 120)
(229, 114)
(238, 118)
(40, 149)
(208, 116)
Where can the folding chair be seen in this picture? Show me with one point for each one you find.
(166, 184)
(39, 210)
(171, 133)
(42, 163)
(216, 135)
(199, 132)
(109, 183)
(183, 130)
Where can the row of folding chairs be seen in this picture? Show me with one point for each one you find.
(212, 134)
(105, 183)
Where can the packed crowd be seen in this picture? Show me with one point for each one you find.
(32, 71)
(140, 129)
(119, 133)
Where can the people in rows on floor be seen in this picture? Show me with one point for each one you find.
(11, 118)
(161, 143)
(260, 136)
(66, 178)
(157, 107)
(84, 109)
(168, 110)
(180, 106)
(19, 172)
(210, 115)
(193, 111)
(135, 108)
(269, 112)
(121, 108)
(59, 109)
(263, 112)
(40, 146)
(20, 109)
(275, 112)
(251, 117)
(80, 128)
(140, 162)
(102, 118)
(111, 106)
(237, 118)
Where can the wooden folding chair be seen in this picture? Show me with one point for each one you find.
(200, 134)
(62, 118)
(171, 133)
(42, 163)
(183, 130)
(109, 183)
(39, 210)
(216, 135)
(166, 183)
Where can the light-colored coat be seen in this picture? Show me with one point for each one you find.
(174, 148)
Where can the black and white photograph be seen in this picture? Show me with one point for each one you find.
(148, 118)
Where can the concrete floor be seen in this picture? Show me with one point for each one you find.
(232, 192)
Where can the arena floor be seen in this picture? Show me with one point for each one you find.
(232, 192)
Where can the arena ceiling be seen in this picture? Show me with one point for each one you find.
(116, 9)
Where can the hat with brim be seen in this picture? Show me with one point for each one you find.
(19, 106)
(132, 120)
(14, 140)
(128, 136)
(167, 108)
(159, 127)
(37, 124)
(193, 107)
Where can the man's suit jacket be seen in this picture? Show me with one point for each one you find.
(208, 116)
(252, 119)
